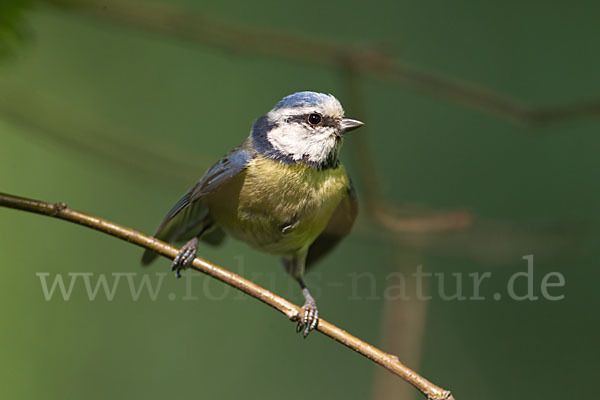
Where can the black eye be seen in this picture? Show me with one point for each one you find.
(314, 119)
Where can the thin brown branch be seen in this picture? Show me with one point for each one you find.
(175, 22)
(291, 311)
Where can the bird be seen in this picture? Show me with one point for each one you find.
(283, 191)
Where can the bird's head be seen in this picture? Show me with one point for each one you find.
(305, 127)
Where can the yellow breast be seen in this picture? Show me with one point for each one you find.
(281, 208)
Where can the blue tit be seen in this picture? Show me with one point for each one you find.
(283, 191)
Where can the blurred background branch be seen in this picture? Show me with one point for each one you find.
(371, 60)
(89, 135)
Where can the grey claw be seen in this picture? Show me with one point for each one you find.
(176, 262)
(308, 320)
(185, 257)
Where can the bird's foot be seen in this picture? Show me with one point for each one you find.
(185, 257)
(308, 318)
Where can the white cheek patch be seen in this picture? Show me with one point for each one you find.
(300, 142)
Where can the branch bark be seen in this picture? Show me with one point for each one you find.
(291, 311)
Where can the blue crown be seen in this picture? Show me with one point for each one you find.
(302, 99)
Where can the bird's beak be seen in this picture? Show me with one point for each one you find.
(348, 125)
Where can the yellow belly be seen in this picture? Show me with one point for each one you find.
(278, 208)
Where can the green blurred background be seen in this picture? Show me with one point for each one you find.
(119, 122)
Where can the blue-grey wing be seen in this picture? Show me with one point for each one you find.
(339, 225)
(190, 215)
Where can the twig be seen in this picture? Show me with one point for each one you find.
(291, 311)
(173, 21)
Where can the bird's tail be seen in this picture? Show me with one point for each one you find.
(166, 235)
(213, 236)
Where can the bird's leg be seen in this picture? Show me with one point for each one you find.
(185, 257)
(309, 318)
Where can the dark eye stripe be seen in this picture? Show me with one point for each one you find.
(302, 118)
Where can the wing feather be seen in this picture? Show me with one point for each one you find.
(190, 214)
(339, 225)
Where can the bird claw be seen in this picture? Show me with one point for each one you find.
(185, 257)
(308, 318)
